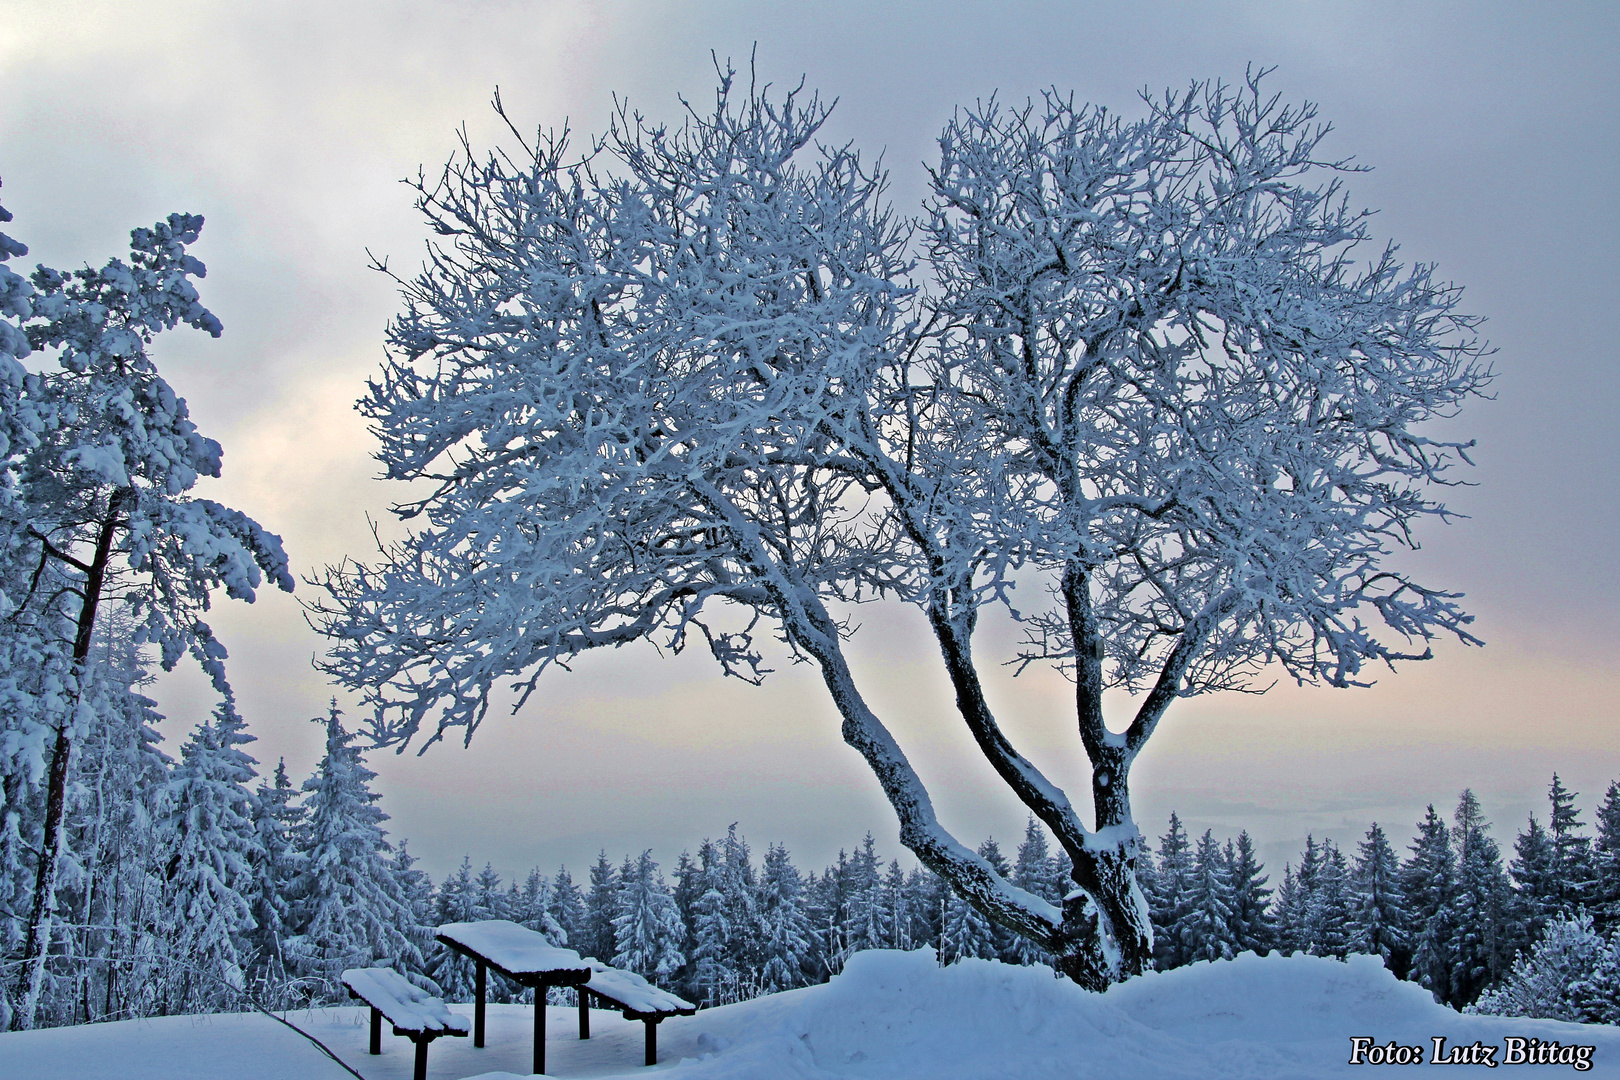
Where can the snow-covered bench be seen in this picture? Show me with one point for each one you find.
(521, 955)
(632, 995)
(414, 1014)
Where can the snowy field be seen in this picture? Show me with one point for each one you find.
(895, 1016)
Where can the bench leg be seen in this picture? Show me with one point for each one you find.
(584, 1012)
(652, 1041)
(420, 1072)
(376, 1030)
(479, 984)
(539, 1030)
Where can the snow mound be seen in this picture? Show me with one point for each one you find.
(899, 1016)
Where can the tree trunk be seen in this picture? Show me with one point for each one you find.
(37, 944)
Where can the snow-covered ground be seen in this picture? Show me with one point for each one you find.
(895, 1016)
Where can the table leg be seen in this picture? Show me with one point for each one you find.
(584, 1012)
(376, 1030)
(421, 1060)
(652, 1041)
(539, 1030)
(478, 1003)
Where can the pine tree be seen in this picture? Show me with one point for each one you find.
(864, 923)
(1606, 862)
(601, 908)
(1535, 874)
(208, 880)
(964, 932)
(1204, 931)
(1479, 907)
(1572, 852)
(416, 889)
(1378, 920)
(351, 910)
(1172, 883)
(456, 901)
(1571, 974)
(1035, 871)
(648, 927)
(567, 907)
(1328, 909)
(279, 822)
(1296, 900)
(784, 926)
(1429, 880)
(1253, 929)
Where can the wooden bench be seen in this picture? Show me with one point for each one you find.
(413, 1012)
(521, 955)
(632, 995)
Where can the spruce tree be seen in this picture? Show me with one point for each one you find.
(1429, 880)
(1606, 862)
(1479, 907)
(1328, 909)
(1572, 851)
(647, 928)
(279, 822)
(567, 907)
(865, 925)
(1035, 871)
(785, 929)
(1253, 929)
(1172, 883)
(601, 908)
(351, 910)
(1204, 931)
(1378, 920)
(964, 932)
(1535, 872)
(209, 880)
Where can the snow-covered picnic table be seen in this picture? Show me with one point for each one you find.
(521, 955)
(632, 995)
(412, 1011)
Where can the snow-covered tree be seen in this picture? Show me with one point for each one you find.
(212, 845)
(1480, 905)
(694, 375)
(647, 929)
(1378, 920)
(1606, 861)
(964, 932)
(1172, 889)
(1205, 928)
(1572, 851)
(1429, 880)
(785, 932)
(99, 457)
(1253, 928)
(351, 911)
(1573, 974)
(279, 823)
(601, 908)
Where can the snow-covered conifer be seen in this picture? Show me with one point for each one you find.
(1606, 861)
(785, 931)
(1572, 973)
(1204, 931)
(279, 820)
(351, 910)
(601, 908)
(1479, 907)
(1429, 880)
(1253, 929)
(208, 880)
(1172, 885)
(964, 932)
(648, 927)
(1572, 851)
(567, 907)
(1328, 904)
(1378, 920)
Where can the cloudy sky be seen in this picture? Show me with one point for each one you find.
(1493, 136)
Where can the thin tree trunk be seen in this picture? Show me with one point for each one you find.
(36, 946)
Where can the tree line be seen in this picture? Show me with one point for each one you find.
(189, 885)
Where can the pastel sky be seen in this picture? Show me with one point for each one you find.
(1494, 140)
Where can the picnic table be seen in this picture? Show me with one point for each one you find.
(411, 1010)
(521, 955)
(632, 995)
